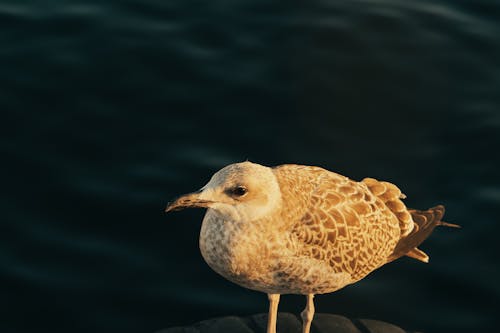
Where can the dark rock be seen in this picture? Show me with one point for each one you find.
(376, 326)
(325, 322)
(287, 323)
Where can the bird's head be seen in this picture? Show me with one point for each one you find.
(242, 191)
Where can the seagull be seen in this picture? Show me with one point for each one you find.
(296, 229)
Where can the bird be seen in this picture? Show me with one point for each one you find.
(297, 229)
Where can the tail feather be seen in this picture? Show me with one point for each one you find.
(418, 254)
(425, 222)
(446, 224)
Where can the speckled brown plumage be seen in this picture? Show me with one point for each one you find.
(350, 227)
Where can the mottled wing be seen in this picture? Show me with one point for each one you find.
(344, 224)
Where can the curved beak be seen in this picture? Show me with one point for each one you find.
(190, 200)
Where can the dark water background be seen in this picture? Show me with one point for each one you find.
(109, 109)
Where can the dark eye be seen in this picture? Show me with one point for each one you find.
(239, 191)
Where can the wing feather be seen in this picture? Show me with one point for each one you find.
(391, 196)
(340, 221)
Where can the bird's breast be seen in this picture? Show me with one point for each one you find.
(240, 251)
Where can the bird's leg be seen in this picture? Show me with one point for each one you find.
(308, 314)
(274, 299)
